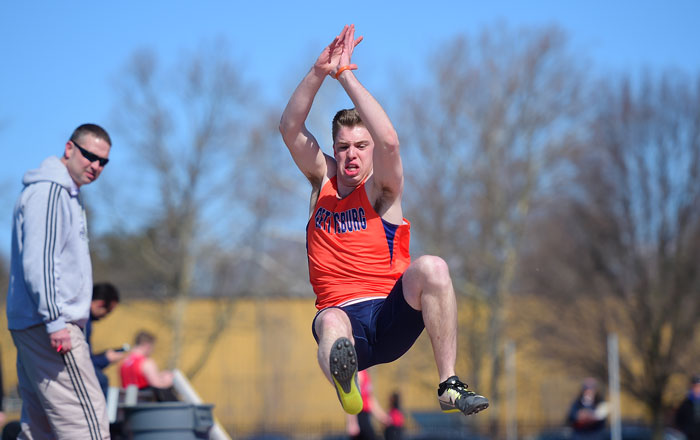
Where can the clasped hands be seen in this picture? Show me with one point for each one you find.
(336, 57)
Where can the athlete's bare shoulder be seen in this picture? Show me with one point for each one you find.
(318, 183)
(386, 203)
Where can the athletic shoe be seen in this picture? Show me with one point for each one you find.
(343, 362)
(454, 397)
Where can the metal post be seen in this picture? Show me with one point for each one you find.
(511, 392)
(614, 387)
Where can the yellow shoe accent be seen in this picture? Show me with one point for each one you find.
(352, 401)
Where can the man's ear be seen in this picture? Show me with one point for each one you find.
(68, 150)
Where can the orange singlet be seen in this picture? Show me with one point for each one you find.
(353, 253)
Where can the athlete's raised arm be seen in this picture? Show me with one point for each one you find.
(301, 143)
(387, 168)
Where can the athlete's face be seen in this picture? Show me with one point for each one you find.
(353, 153)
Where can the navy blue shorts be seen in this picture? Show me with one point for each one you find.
(384, 329)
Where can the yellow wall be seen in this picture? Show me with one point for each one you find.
(262, 372)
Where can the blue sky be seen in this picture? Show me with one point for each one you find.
(59, 59)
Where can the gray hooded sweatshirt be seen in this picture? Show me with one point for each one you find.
(50, 270)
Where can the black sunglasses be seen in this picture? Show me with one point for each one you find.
(90, 156)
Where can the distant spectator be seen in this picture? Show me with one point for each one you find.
(588, 412)
(394, 431)
(360, 425)
(11, 430)
(105, 298)
(2, 397)
(139, 369)
(688, 413)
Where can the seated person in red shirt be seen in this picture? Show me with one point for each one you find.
(139, 369)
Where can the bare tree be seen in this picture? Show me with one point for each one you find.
(479, 139)
(192, 216)
(622, 242)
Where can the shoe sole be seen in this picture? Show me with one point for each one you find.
(478, 408)
(343, 363)
(475, 409)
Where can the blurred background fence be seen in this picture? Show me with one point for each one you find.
(261, 374)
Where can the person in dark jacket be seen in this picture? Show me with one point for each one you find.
(588, 412)
(688, 413)
(105, 298)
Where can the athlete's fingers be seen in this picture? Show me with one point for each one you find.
(343, 32)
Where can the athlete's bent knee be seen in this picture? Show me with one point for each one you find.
(434, 269)
(332, 319)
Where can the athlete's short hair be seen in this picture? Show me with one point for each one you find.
(346, 118)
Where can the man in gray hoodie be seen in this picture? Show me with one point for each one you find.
(48, 301)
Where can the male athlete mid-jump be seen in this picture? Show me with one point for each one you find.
(373, 301)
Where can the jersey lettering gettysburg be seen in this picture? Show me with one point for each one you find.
(353, 252)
